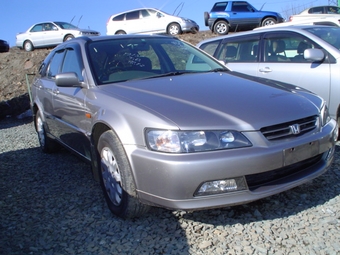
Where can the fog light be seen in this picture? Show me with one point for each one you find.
(330, 153)
(221, 186)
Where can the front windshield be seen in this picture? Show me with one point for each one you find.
(329, 34)
(65, 25)
(127, 58)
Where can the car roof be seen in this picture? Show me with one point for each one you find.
(144, 8)
(297, 28)
(50, 21)
(114, 37)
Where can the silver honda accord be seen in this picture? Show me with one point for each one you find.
(164, 124)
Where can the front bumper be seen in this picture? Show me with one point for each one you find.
(190, 27)
(170, 181)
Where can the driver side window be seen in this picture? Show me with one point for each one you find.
(72, 64)
(54, 66)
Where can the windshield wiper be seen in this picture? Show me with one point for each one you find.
(216, 70)
(167, 74)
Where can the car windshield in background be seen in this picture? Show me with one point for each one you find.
(328, 34)
(65, 25)
(136, 58)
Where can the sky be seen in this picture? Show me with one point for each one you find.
(18, 15)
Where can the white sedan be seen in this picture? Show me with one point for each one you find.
(50, 34)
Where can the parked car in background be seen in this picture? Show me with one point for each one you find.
(326, 21)
(238, 15)
(149, 21)
(162, 131)
(50, 34)
(4, 46)
(308, 56)
(316, 12)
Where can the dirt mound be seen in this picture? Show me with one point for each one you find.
(18, 67)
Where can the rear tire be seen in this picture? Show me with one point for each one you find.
(116, 178)
(28, 46)
(121, 33)
(47, 144)
(221, 27)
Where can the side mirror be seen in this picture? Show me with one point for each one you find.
(315, 55)
(68, 80)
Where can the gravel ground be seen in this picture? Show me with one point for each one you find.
(50, 204)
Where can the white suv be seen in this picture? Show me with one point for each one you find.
(149, 21)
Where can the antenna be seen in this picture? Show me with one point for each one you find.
(262, 6)
(180, 5)
(72, 19)
(79, 20)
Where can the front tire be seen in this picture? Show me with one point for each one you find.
(116, 178)
(174, 29)
(68, 37)
(47, 144)
(221, 27)
(268, 22)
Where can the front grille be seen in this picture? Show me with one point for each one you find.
(276, 176)
(290, 129)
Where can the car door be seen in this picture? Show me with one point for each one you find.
(37, 35)
(244, 15)
(238, 53)
(286, 62)
(132, 23)
(46, 87)
(69, 107)
(151, 21)
(52, 35)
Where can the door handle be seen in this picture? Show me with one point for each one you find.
(55, 91)
(265, 70)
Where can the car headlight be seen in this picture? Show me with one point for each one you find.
(324, 115)
(194, 141)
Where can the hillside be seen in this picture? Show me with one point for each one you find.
(18, 66)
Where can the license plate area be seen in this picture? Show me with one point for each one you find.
(301, 152)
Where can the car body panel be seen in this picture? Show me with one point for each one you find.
(76, 113)
(321, 77)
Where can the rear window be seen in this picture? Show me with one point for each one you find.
(119, 17)
(316, 10)
(219, 7)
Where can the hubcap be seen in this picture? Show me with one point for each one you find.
(111, 176)
(269, 23)
(174, 30)
(221, 28)
(28, 47)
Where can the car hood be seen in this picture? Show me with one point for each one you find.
(82, 30)
(270, 13)
(218, 100)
